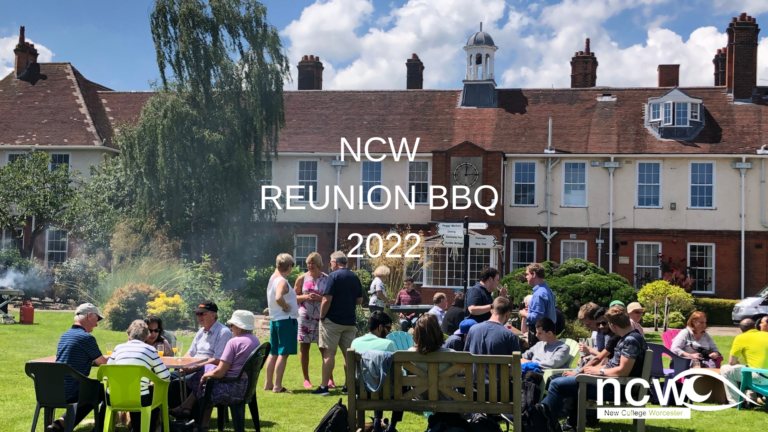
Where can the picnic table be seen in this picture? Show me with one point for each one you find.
(10, 293)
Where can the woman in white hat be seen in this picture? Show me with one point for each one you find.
(236, 352)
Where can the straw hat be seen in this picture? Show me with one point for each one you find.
(242, 319)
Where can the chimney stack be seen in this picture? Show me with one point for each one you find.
(741, 56)
(584, 68)
(720, 62)
(415, 75)
(25, 53)
(310, 73)
(669, 75)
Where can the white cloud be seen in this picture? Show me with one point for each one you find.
(752, 7)
(534, 49)
(7, 57)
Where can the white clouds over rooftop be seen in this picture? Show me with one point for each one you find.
(7, 57)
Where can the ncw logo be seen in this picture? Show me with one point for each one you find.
(686, 392)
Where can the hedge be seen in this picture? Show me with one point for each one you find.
(718, 310)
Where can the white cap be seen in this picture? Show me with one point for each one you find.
(84, 308)
(242, 319)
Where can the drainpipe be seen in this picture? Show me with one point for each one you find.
(742, 166)
(600, 241)
(611, 167)
(762, 192)
(503, 217)
(338, 164)
(550, 165)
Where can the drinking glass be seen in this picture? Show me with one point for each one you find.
(582, 341)
(110, 348)
(178, 348)
(160, 349)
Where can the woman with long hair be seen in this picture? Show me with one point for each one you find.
(428, 338)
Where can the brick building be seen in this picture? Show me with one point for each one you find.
(613, 175)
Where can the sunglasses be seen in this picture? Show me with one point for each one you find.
(155, 330)
(602, 324)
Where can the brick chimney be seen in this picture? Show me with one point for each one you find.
(720, 62)
(310, 73)
(415, 77)
(669, 75)
(25, 53)
(584, 68)
(741, 58)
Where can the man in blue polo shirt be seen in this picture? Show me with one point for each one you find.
(78, 349)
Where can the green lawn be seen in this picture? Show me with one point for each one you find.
(300, 412)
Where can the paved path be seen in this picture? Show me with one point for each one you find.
(713, 331)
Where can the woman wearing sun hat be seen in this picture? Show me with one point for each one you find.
(236, 352)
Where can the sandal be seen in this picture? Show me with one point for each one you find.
(180, 412)
(282, 390)
(57, 425)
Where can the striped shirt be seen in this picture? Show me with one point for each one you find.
(136, 352)
(78, 349)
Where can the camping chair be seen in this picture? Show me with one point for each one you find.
(584, 404)
(252, 369)
(679, 364)
(748, 384)
(403, 340)
(669, 335)
(50, 393)
(122, 383)
(548, 373)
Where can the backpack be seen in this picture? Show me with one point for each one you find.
(447, 422)
(335, 420)
(560, 323)
(539, 418)
(483, 423)
(531, 395)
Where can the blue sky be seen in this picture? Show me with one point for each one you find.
(364, 43)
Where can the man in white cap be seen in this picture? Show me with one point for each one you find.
(78, 349)
(636, 311)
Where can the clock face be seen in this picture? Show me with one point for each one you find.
(466, 174)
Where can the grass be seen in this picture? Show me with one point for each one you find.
(300, 412)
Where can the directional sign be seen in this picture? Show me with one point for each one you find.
(482, 242)
(449, 242)
(450, 228)
(478, 225)
(453, 237)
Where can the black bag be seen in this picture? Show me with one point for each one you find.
(182, 426)
(483, 423)
(540, 419)
(560, 323)
(447, 422)
(335, 420)
(531, 395)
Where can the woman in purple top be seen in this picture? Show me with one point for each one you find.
(236, 352)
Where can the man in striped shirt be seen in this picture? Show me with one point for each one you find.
(78, 349)
(136, 352)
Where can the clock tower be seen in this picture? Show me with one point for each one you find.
(479, 81)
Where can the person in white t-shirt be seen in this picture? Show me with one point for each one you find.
(378, 291)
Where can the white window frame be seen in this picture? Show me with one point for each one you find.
(9, 153)
(714, 184)
(637, 183)
(7, 240)
(586, 185)
(680, 118)
(637, 275)
(408, 176)
(364, 195)
(693, 111)
(512, 252)
(535, 183)
(493, 257)
(657, 105)
(302, 262)
(50, 162)
(714, 254)
(317, 180)
(66, 247)
(562, 248)
(671, 106)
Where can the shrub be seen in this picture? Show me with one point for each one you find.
(78, 278)
(659, 291)
(365, 280)
(10, 258)
(170, 310)
(574, 290)
(253, 295)
(675, 318)
(515, 290)
(578, 265)
(718, 310)
(647, 320)
(575, 330)
(127, 304)
(199, 282)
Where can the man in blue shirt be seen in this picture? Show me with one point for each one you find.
(479, 300)
(343, 293)
(543, 302)
(456, 340)
(78, 348)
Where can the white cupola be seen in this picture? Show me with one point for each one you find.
(480, 56)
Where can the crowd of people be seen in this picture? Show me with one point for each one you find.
(321, 309)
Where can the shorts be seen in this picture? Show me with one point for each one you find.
(333, 335)
(282, 336)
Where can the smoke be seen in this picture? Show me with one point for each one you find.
(33, 283)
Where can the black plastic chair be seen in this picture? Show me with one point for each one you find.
(50, 393)
(252, 367)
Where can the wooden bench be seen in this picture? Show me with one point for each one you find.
(432, 383)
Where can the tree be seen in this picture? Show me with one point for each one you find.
(34, 190)
(196, 155)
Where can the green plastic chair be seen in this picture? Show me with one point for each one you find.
(574, 351)
(748, 384)
(123, 384)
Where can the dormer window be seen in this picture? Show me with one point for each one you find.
(675, 115)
